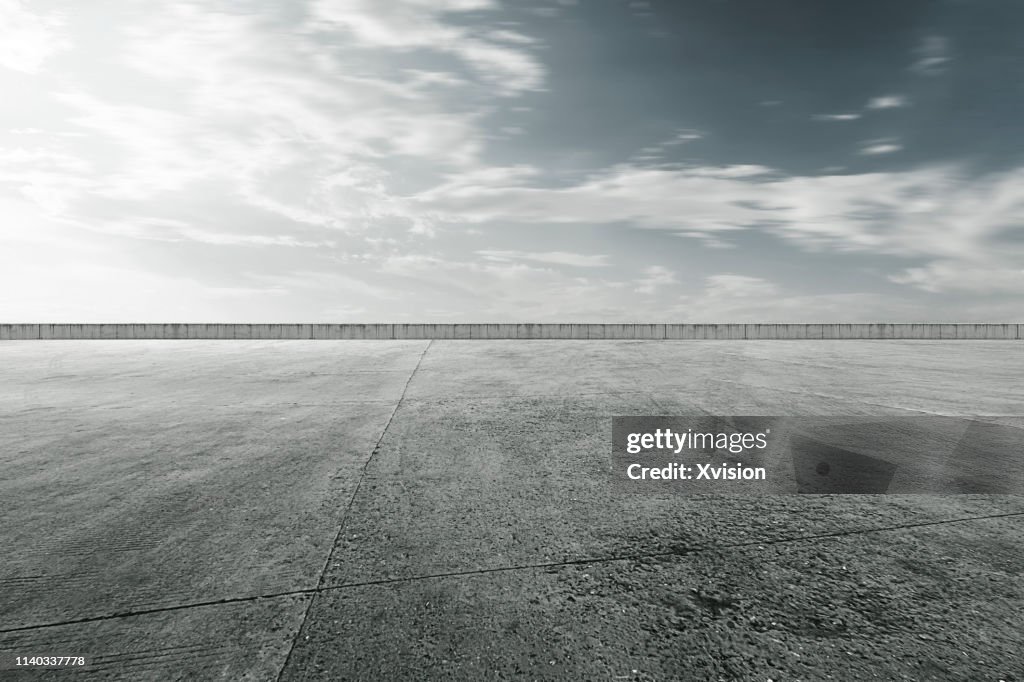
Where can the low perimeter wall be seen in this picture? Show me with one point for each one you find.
(510, 331)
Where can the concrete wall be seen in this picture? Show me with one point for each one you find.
(15, 332)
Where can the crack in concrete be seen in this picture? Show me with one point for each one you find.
(639, 556)
(348, 508)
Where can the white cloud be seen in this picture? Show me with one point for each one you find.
(930, 212)
(931, 55)
(888, 102)
(170, 230)
(311, 97)
(356, 133)
(994, 276)
(697, 198)
(729, 285)
(68, 288)
(335, 284)
(684, 136)
(27, 38)
(152, 141)
(503, 290)
(275, 116)
(655, 152)
(505, 36)
(553, 257)
(836, 117)
(420, 78)
(882, 146)
(655, 277)
(745, 299)
(417, 24)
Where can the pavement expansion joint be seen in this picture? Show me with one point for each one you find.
(348, 507)
(639, 556)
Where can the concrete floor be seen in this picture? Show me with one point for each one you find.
(281, 510)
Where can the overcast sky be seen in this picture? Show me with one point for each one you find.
(531, 160)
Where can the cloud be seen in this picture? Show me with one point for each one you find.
(170, 230)
(68, 288)
(325, 282)
(286, 146)
(28, 39)
(311, 97)
(152, 141)
(888, 102)
(48, 176)
(880, 146)
(493, 290)
(835, 117)
(554, 257)
(931, 56)
(992, 277)
(655, 152)
(729, 285)
(655, 277)
(268, 115)
(694, 198)
(512, 290)
(746, 299)
(326, 154)
(406, 25)
(931, 212)
(505, 36)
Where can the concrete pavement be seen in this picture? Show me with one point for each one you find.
(442, 510)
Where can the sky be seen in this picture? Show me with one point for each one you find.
(526, 161)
